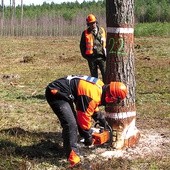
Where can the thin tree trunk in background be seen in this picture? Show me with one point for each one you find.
(10, 5)
(10, 25)
(2, 20)
(22, 13)
(120, 67)
(13, 19)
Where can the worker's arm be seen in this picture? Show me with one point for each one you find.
(84, 125)
(85, 109)
(83, 46)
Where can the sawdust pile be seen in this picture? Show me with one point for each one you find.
(151, 143)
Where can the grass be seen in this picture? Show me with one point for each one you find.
(152, 29)
(30, 134)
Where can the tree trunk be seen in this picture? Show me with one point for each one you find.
(22, 13)
(13, 19)
(10, 8)
(2, 20)
(120, 67)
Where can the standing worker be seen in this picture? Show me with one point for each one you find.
(93, 46)
(86, 93)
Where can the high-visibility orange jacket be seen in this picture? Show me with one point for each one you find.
(87, 92)
(91, 43)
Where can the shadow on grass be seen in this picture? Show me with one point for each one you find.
(38, 96)
(46, 149)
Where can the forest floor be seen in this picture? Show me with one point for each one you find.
(30, 133)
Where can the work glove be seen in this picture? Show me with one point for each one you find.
(87, 135)
(103, 122)
(100, 119)
(88, 141)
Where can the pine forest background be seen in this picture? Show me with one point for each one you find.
(68, 19)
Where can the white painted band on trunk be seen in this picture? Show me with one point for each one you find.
(121, 115)
(120, 30)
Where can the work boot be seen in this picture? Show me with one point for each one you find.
(74, 159)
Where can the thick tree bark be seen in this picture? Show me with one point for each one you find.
(120, 67)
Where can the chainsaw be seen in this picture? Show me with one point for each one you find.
(101, 135)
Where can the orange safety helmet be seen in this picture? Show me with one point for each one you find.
(90, 18)
(118, 90)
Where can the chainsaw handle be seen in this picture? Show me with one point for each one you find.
(97, 124)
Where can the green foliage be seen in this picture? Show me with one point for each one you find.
(152, 11)
(152, 29)
(68, 16)
(145, 11)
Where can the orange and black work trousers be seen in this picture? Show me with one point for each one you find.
(66, 115)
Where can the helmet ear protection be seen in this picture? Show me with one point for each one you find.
(118, 92)
(118, 89)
